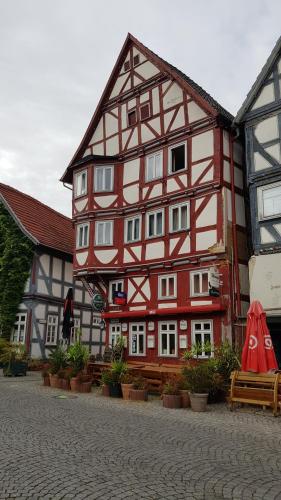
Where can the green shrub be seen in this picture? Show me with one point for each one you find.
(57, 359)
(77, 355)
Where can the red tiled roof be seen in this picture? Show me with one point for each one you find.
(40, 223)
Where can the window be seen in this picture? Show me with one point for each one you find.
(104, 232)
(154, 167)
(136, 59)
(144, 111)
(126, 65)
(104, 178)
(132, 117)
(132, 229)
(80, 184)
(96, 321)
(82, 236)
(114, 334)
(154, 224)
(168, 339)
(18, 332)
(115, 286)
(137, 339)
(269, 201)
(167, 286)
(202, 335)
(179, 217)
(199, 282)
(75, 331)
(52, 329)
(177, 158)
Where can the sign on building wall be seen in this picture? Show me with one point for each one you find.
(214, 282)
(98, 302)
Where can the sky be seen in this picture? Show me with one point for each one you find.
(56, 57)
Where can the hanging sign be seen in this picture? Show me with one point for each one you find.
(98, 302)
(214, 282)
(119, 298)
(150, 341)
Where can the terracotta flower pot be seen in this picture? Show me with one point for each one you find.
(185, 399)
(138, 395)
(126, 390)
(85, 387)
(74, 384)
(77, 386)
(198, 402)
(172, 401)
(64, 384)
(46, 381)
(105, 390)
(54, 381)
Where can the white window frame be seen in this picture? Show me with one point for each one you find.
(153, 155)
(202, 332)
(82, 226)
(103, 167)
(53, 338)
(114, 282)
(155, 212)
(114, 335)
(170, 172)
(133, 219)
(174, 332)
(179, 205)
(200, 272)
(138, 333)
(160, 286)
(111, 233)
(260, 191)
(76, 178)
(21, 319)
(74, 330)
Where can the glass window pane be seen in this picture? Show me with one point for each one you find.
(196, 283)
(178, 158)
(158, 166)
(159, 223)
(207, 326)
(172, 346)
(171, 286)
(164, 343)
(137, 229)
(272, 201)
(141, 343)
(107, 182)
(151, 225)
(150, 168)
(99, 179)
(164, 287)
(197, 326)
(175, 219)
(83, 183)
(100, 233)
(80, 241)
(205, 282)
(107, 235)
(130, 230)
(86, 229)
(134, 343)
(184, 217)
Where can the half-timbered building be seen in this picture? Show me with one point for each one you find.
(259, 121)
(159, 212)
(39, 320)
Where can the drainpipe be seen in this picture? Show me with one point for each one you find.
(234, 233)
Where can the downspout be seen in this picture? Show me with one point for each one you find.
(234, 233)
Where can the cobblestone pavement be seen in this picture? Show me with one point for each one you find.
(91, 447)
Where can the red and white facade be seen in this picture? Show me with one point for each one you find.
(158, 204)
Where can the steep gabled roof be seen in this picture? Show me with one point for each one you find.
(43, 225)
(198, 93)
(252, 94)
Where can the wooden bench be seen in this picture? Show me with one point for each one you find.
(255, 388)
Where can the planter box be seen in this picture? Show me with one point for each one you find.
(185, 399)
(17, 368)
(138, 395)
(54, 381)
(198, 402)
(126, 390)
(171, 401)
(64, 384)
(77, 386)
(105, 390)
(115, 390)
(46, 381)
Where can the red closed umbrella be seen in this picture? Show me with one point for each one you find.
(258, 354)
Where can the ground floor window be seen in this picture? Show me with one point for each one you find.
(75, 331)
(52, 329)
(137, 339)
(202, 335)
(168, 339)
(114, 334)
(19, 330)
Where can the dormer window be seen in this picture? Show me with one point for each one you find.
(126, 65)
(132, 117)
(103, 178)
(144, 111)
(80, 184)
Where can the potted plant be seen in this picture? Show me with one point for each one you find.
(126, 385)
(81, 383)
(118, 368)
(14, 359)
(64, 376)
(77, 356)
(184, 393)
(199, 380)
(139, 389)
(171, 393)
(46, 378)
(105, 381)
(57, 361)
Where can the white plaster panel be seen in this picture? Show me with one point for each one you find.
(105, 201)
(22, 306)
(138, 298)
(128, 257)
(155, 124)
(136, 308)
(78, 295)
(185, 248)
(167, 305)
(111, 124)
(35, 351)
(57, 268)
(41, 287)
(132, 103)
(144, 97)
(80, 204)
(131, 289)
(179, 121)
(172, 185)
(238, 177)
(27, 283)
(88, 298)
(203, 145)
(240, 210)
(206, 239)
(278, 228)
(146, 134)
(260, 162)
(198, 169)
(131, 194)
(266, 96)
(131, 171)
(98, 149)
(226, 143)
(87, 152)
(53, 309)
(56, 289)
(167, 119)
(265, 284)
(183, 179)
(136, 80)
(173, 242)
(155, 100)
(144, 191)
(81, 257)
(68, 272)
(200, 302)
(154, 250)
(134, 139)
(124, 116)
(146, 289)
(41, 329)
(45, 263)
(156, 191)
(195, 112)
(244, 279)
(125, 136)
(266, 236)
(40, 311)
(279, 66)
(173, 96)
(137, 251)
(136, 52)
(147, 70)
(86, 334)
(86, 317)
(112, 145)
(274, 151)
(226, 171)
(118, 85)
(98, 133)
(105, 256)
(208, 215)
(267, 129)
